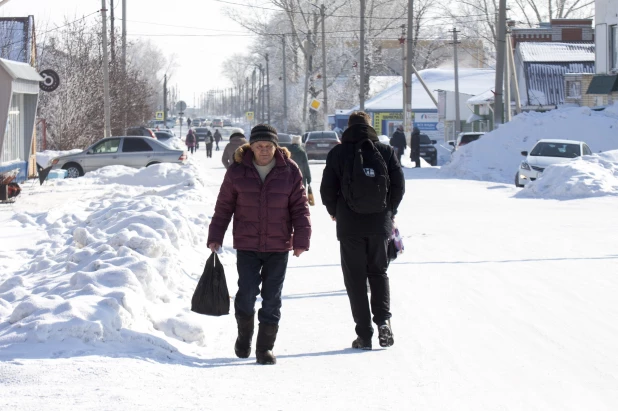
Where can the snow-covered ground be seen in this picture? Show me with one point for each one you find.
(499, 303)
(496, 156)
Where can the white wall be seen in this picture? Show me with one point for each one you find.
(606, 15)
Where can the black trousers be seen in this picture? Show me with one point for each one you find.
(191, 149)
(209, 150)
(415, 156)
(269, 270)
(365, 258)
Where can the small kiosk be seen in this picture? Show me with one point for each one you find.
(19, 94)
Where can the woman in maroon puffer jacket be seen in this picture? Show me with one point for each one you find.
(263, 190)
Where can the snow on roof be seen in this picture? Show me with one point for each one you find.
(471, 81)
(556, 52)
(20, 71)
(484, 97)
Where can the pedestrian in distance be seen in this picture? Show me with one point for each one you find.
(299, 155)
(190, 141)
(209, 140)
(217, 138)
(236, 140)
(362, 186)
(415, 146)
(398, 142)
(188, 122)
(263, 192)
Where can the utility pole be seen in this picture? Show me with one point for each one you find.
(307, 63)
(165, 100)
(113, 31)
(106, 109)
(407, 109)
(500, 49)
(124, 61)
(324, 84)
(285, 90)
(124, 35)
(253, 94)
(456, 61)
(402, 40)
(509, 50)
(362, 55)
(268, 87)
(507, 86)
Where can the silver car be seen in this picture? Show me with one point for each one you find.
(125, 151)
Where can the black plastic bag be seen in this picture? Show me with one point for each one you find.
(211, 296)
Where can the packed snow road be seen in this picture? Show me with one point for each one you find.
(499, 303)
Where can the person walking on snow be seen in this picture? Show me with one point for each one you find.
(299, 155)
(415, 146)
(188, 122)
(236, 140)
(398, 141)
(217, 138)
(209, 140)
(363, 237)
(190, 141)
(263, 191)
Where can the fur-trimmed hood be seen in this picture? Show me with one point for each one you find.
(281, 154)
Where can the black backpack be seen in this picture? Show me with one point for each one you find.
(365, 184)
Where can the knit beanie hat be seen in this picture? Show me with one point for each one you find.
(264, 132)
(237, 134)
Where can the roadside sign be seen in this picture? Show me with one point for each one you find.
(181, 106)
(315, 104)
(159, 115)
(249, 115)
(51, 80)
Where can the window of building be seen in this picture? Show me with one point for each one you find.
(574, 89)
(613, 46)
(14, 132)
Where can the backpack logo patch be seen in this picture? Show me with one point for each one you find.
(369, 172)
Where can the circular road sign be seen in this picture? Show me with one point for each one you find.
(51, 80)
(181, 106)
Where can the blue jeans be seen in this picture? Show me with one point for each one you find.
(255, 268)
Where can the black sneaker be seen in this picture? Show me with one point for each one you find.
(361, 344)
(385, 334)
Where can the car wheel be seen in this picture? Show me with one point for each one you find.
(517, 183)
(74, 170)
(153, 163)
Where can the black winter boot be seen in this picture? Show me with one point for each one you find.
(385, 335)
(361, 344)
(267, 335)
(245, 334)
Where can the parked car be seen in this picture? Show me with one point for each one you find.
(227, 122)
(216, 122)
(196, 122)
(545, 153)
(428, 150)
(319, 143)
(465, 138)
(140, 131)
(285, 140)
(126, 151)
(164, 135)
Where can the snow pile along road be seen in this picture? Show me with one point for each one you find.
(588, 176)
(496, 156)
(110, 271)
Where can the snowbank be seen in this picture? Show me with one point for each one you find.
(44, 158)
(496, 156)
(588, 176)
(110, 271)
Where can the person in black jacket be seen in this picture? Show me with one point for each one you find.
(398, 141)
(363, 238)
(415, 146)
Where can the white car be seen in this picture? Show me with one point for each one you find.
(545, 153)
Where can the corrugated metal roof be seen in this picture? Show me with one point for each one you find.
(556, 52)
(545, 81)
(20, 71)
